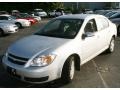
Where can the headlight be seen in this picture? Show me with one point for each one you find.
(5, 55)
(43, 60)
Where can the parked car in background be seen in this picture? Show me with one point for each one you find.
(40, 12)
(52, 13)
(59, 48)
(37, 18)
(11, 19)
(31, 14)
(115, 18)
(110, 13)
(26, 17)
(88, 11)
(7, 28)
(99, 12)
(59, 12)
(68, 12)
(15, 12)
(3, 12)
(102, 12)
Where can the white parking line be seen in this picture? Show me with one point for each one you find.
(100, 75)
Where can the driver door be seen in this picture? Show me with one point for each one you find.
(90, 40)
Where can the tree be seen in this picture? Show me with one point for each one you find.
(28, 6)
(51, 5)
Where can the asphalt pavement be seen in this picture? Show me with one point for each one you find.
(101, 72)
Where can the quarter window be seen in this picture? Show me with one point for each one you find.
(103, 23)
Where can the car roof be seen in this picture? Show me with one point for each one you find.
(5, 15)
(77, 16)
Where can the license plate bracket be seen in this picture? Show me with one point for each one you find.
(11, 71)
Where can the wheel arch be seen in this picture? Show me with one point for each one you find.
(2, 30)
(19, 23)
(77, 61)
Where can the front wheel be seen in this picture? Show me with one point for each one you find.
(1, 32)
(68, 70)
(18, 24)
(111, 46)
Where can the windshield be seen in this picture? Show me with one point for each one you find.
(39, 11)
(23, 15)
(110, 14)
(117, 15)
(12, 17)
(61, 28)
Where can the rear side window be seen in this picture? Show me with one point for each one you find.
(102, 23)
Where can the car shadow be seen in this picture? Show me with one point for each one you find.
(53, 84)
(5, 35)
(9, 82)
(1, 58)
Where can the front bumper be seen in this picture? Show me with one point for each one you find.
(26, 24)
(30, 74)
(11, 30)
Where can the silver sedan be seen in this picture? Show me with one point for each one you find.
(7, 28)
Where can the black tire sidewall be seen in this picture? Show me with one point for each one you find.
(18, 24)
(66, 70)
(109, 49)
(1, 32)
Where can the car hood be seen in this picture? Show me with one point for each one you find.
(6, 24)
(42, 12)
(31, 45)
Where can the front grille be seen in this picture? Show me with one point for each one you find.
(17, 60)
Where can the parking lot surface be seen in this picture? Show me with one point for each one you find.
(101, 72)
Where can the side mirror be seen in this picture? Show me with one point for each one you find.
(87, 34)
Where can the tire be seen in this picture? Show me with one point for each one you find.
(1, 32)
(18, 24)
(118, 31)
(111, 46)
(68, 70)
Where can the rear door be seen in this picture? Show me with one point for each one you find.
(104, 32)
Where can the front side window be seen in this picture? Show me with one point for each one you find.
(61, 28)
(91, 26)
(110, 14)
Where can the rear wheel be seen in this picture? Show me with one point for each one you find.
(111, 46)
(118, 31)
(68, 70)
